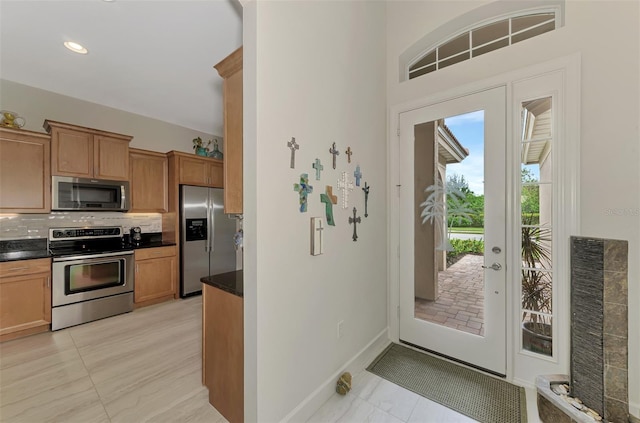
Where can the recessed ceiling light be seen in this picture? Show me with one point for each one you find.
(75, 47)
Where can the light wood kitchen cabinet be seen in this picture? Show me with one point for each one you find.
(25, 172)
(149, 178)
(88, 153)
(156, 275)
(196, 170)
(231, 70)
(223, 351)
(25, 298)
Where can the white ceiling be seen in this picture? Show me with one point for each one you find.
(150, 57)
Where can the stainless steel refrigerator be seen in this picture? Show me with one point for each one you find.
(206, 237)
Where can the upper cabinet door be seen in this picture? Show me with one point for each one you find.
(111, 158)
(25, 176)
(230, 69)
(149, 181)
(194, 171)
(72, 153)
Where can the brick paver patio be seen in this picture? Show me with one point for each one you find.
(461, 301)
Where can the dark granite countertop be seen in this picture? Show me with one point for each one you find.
(23, 255)
(23, 249)
(231, 282)
(153, 244)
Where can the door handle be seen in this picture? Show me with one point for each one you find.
(494, 266)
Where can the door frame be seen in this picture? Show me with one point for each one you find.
(570, 67)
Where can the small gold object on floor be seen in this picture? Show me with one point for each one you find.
(344, 384)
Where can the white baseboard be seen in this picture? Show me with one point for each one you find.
(317, 398)
(634, 410)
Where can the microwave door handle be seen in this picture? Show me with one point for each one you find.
(123, 197)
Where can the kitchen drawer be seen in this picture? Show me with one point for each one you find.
(25, 267)
(151, 253)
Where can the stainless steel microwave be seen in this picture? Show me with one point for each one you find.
(68, 193)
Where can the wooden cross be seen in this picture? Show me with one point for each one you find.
(348, 153)
(304, 189)
(357, 175)
(366, 198)
(329, 200)
(345, 185)
(355, 220)
(293, 146)
(318, 167)
(334, 151)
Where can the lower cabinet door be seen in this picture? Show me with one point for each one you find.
(155, 278)
(25, 305)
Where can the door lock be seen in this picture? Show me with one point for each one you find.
(494, 266)
(496, 250)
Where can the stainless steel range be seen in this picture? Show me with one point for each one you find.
(92, 275)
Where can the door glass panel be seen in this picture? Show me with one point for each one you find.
(536, 206)
(449, 227)
(91, 276)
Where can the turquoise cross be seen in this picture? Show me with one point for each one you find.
(318, 167)
(304, 189)
(329, 200)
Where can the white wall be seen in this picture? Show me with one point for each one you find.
(607, 36)
(36, 105)
(310, 73)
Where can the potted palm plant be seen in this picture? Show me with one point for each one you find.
(536, 287)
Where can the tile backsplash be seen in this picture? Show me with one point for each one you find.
(26, 226)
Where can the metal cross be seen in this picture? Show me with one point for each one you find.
(345, 185)
(348, 153)
(357, 175)
(318, 167)
(304, 189)
(329, 200)
(335, 153)
(366, 198)
(355, 220)
(293, 146)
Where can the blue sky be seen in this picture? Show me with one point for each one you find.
(469, 130)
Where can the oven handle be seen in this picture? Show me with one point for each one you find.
(91, 256)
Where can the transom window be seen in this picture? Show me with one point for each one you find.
(483, 39)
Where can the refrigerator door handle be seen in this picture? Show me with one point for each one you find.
(207, 244)
(212, 229)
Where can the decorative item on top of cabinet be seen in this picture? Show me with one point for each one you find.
(25, 298)
(149, 178)
(88, 153)
(156, 275)
(230, 69)
(25, 171)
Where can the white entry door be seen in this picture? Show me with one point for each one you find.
(452, 229)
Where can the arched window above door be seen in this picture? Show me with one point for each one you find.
(482, 30)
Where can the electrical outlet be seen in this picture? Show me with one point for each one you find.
(340, 329)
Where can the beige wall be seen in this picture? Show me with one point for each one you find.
(607, 36)
(36, 105)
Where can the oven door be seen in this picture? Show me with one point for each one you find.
(86, 277)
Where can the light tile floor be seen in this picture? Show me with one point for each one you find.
(145, 366)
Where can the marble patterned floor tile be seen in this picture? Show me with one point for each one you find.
(75, 401)
(393, 399)
(364, 384)
(427, 411)
(379, 416)
(333, 409)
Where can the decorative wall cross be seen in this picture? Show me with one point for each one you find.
(357, 175)
(348, 153)
(355, 220)
(329, 200)
(317, 246)
(334, 151)
(366, 198)
(293, 146)
(345, 185)
(304, 189)
(318, 167)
